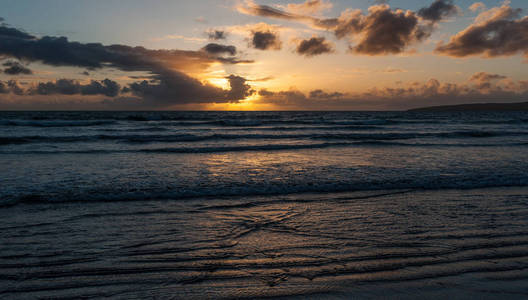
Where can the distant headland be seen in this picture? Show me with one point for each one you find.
(522, 106)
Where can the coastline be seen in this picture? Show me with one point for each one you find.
(476, 107)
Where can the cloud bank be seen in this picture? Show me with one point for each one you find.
(168, 86)
(480, 87)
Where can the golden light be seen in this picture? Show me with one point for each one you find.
(251, 103)
(220, 82)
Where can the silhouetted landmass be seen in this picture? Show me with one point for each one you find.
(523, 106)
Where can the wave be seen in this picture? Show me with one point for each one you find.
(186, 149)
(254, 119)
(149, 138)
(499, 122)
(271, 122)
(269, 147)
(243, 148)
(56, 123)
(140, 129)
(438, 182)
(167, 127)
(183, 122)
(262, 118)
(190, 122)
(315, 127)
(252, 122)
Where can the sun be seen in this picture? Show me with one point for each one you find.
(251, 103)
(220, 82)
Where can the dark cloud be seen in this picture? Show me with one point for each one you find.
(217, 49)
(483, 76)
(294, 96)
(266, 40)
(438, 10)
(16, 68)
(296, 10)
(404, 96)
(171, 86)
(381, 31)
(234, 60)
(15, 88)
(58, 51)
(498, 32)
(320, 94)
(7, 32)
(140, 77)
(60, 86)
(105, 87)
(216, 35)
(85, 73)
(4, 89)
(266, 11)
(239, 88)
(265, 93)
(174, 90)
(262, 79)
(314, 46)
(483, 80)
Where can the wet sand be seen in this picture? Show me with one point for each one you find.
(387, 244)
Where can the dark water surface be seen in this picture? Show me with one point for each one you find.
(222, 205)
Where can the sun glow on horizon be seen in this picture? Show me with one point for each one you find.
(251, 103)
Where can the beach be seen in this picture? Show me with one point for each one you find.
(248, 149)
(195, 205)
(407, 244)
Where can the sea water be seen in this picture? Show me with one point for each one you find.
(257, 204)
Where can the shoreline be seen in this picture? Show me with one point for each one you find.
(359, 194)
(415, 244)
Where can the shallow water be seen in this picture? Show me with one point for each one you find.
(102, 156)
(407, 244)
(325, 205)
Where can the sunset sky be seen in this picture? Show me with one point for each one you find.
(261, 55)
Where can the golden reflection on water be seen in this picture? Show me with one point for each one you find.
(294, 160)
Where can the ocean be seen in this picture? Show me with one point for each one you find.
(263, 204)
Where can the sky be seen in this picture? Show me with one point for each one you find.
(261, 55)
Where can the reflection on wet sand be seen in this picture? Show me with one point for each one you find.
(372, 244)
